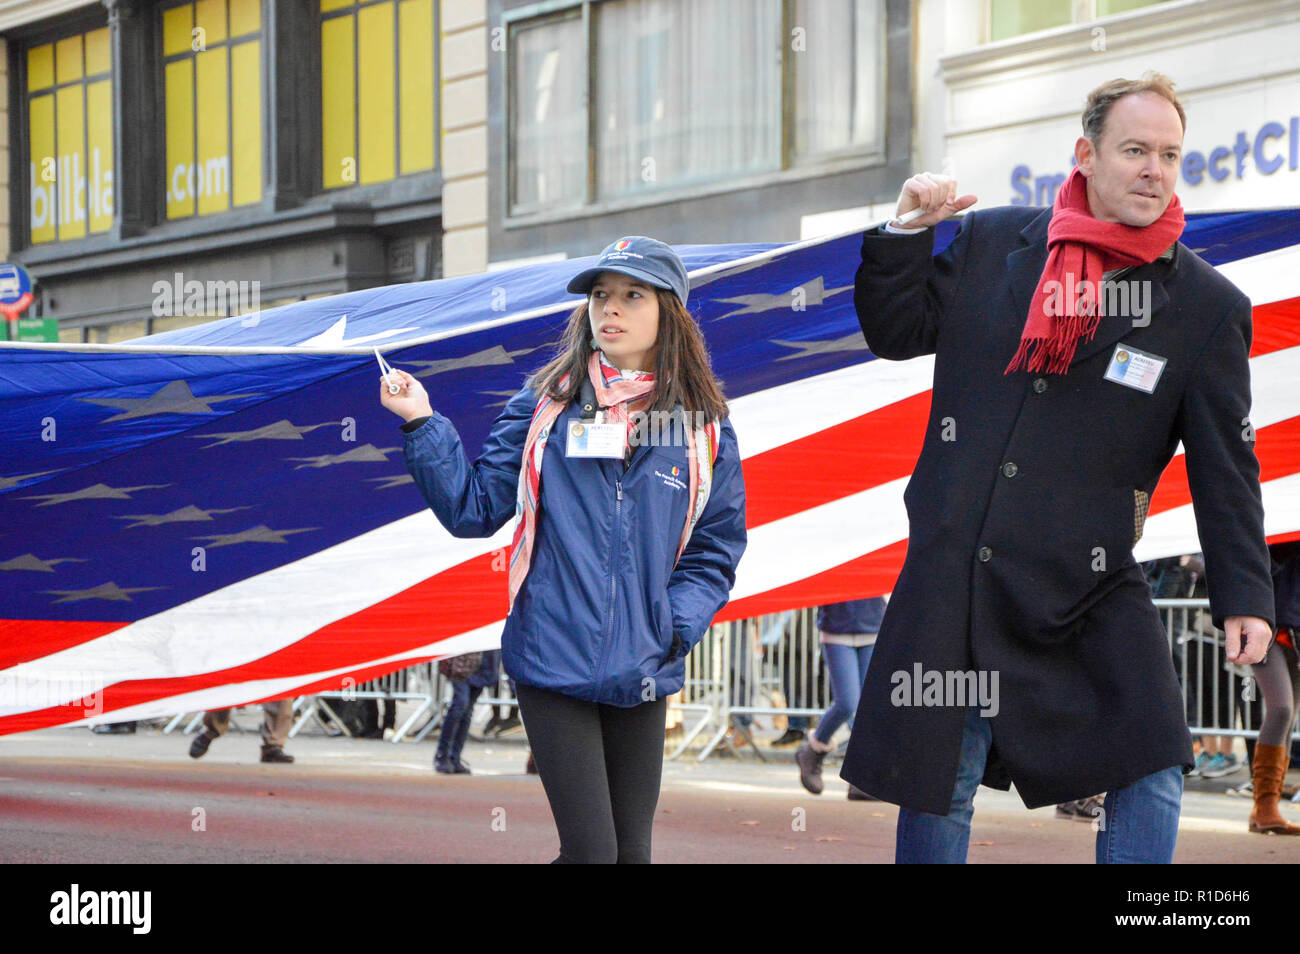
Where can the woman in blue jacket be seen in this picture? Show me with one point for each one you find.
(622, 471)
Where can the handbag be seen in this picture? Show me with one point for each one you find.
(459, 668)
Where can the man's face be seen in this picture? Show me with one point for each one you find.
(1133, 169)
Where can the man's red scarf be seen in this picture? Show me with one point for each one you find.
(1080, 249)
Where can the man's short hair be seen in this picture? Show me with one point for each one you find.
(1101, 99)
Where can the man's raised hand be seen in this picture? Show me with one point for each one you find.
(936, 194)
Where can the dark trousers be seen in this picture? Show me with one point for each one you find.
(601, 767)
(455, 727)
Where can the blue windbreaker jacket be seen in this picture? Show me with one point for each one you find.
(854, 616)
(603, 615)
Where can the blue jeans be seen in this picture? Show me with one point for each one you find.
(455, 727)
(1139, 824)
(847, 666)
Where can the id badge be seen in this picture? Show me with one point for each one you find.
(1135, 369)
(596, 439)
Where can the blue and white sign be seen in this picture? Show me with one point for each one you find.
(14, 284)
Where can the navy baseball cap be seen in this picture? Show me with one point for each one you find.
(638, 257)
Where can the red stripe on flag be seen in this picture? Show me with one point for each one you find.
(1277, 447)
(871, 574)
(462, 598)
(22, 640)
(834, 463)
(142, 691)
(1276, 326)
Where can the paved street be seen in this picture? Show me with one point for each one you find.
(69, 796)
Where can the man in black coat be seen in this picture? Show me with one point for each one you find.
(1021, 644)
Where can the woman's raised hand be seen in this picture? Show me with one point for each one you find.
(410, 402)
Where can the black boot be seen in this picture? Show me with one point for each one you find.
(199, 747)
(810, 761)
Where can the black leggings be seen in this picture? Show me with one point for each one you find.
(601, 766)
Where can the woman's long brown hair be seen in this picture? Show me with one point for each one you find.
(683, 374)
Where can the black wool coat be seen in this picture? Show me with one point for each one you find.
(1024, 508)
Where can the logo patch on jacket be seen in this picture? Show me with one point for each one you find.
(671, 479)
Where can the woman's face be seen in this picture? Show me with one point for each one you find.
(624, 315)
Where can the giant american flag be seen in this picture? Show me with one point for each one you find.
(221, 514)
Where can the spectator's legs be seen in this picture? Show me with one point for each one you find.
(467, 715)
(864, 660)
(390, 714)
(216, 721)
(846, 687)
(451, 722)
(277, 720)
(1139, 822)
(1278, 678)
(923, 838)
(742, 652)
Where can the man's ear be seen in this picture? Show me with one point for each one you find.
(1084, 154)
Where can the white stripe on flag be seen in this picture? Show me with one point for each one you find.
(780, 415)
(265, 613)
(1173, 532)
(238, 693)
(1274, 393)
(1273, 276)
(815, 540)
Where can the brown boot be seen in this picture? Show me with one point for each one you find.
(1270, 768)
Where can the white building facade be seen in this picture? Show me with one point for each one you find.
(1003, 115)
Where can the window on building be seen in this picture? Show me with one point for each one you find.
(839, 76)
(548, 115)
(212, 78)
(378, 63)
(687, 92)
(70, 137)
(1010, 18)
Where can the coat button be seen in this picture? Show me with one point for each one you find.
(1009, 469)
(985, 554)
(1040, 385)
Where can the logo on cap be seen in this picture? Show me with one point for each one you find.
(622, 244)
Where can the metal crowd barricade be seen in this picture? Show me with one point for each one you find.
(771, 666)
(774, 658)
(1219, 697)
(420, 683)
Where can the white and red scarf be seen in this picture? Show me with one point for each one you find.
(622, 395)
